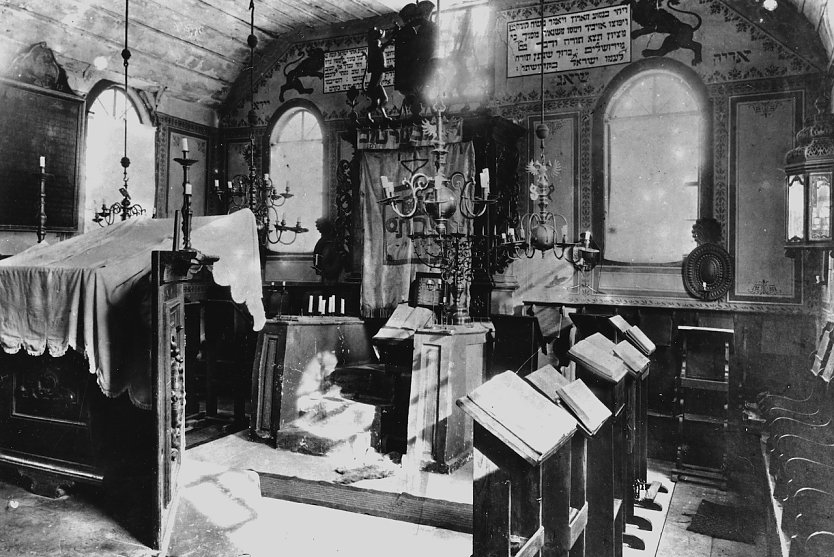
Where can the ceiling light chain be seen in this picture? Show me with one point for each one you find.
(124, 208)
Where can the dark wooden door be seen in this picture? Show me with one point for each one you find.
(168, 380)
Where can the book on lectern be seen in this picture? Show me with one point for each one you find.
(547, 380)
(519, 416)
(634, 334)
(597, 360)
(633, 358)
(404, 322)
(588, 409)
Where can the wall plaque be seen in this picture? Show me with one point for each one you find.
(576, 41)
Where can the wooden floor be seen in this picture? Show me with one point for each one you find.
(223, 514)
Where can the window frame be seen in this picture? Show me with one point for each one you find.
(145, 118)
(599, 155)
(293, 106)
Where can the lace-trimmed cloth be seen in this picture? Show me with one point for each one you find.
(90, 293)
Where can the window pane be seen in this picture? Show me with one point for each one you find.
(297, 161)
(104, 150)
(654, 142)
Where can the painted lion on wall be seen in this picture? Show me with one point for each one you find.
(654, 19)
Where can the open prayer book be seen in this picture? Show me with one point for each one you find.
(588, 409)
(522, 418)
(634, 334)
(404, 322)
(573, 395)
(632, 357)
(600, 361)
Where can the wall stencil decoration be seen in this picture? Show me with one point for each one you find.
(653, 19)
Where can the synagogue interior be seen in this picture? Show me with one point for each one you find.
(351, 277)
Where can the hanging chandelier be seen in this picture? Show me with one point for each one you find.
(544, 230)
(254, 190)
(124, 208)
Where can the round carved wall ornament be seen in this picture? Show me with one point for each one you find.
(707, 272)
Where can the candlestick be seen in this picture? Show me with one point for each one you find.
(42, 203)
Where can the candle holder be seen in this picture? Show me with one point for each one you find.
(186, 212)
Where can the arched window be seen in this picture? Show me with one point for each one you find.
(107, 109)
(654, 126)
(296, 159)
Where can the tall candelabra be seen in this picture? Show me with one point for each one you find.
(449, 246)
(186, 212)
(42, 201)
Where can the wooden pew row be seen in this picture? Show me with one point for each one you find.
(800, 450)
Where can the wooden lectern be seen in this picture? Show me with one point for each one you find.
(590, 415)
(521, 489)
(607, 457)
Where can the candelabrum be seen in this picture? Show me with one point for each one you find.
(259, 195)
(124, 208)
(448, 247)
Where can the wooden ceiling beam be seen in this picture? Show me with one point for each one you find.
(98, 40)
(151, 67)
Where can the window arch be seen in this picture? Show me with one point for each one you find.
(296, 159)
(108, 106)
(655, 132)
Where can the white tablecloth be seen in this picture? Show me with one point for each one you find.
(89, 293)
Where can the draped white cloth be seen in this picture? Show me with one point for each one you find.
(90, 293)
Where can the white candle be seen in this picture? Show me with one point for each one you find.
(187, 188)
(322, 305)
(43, 161)
(229, 183)
(217, 184)
(387, 185)
(310, 304)
(485, 181)
(184, 144)
(331, 304)
(342, 306)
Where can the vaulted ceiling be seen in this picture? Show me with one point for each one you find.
(195, 50)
